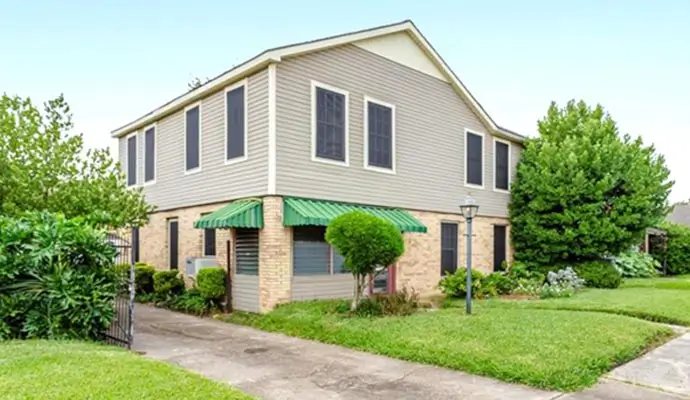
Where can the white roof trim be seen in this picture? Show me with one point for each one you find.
(276, 55)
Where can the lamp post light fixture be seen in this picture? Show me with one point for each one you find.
(469, 210)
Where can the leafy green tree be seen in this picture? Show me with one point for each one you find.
(369, 245)
(582, 190)
(43, 167)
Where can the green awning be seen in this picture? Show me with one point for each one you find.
(246, 213)
(298, 212)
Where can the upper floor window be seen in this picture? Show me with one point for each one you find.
(474, 159)
(235, 123)
(329, 124)
(150, 155)
(501, 165)
(132, 159)
(192, 138)
(379, 129)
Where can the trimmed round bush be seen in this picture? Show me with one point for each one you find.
(211, 283)
(599, 274)
(168, 284)
(143, 278)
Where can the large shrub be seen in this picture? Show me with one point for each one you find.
(143, 278)
(167, 285)
(455, 284)
(582, 190)
(211, 284)
(599, 274)
(676, 250)
(57, 278)
(634, 264)
(368, 243)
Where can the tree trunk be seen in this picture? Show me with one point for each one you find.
(359, 288)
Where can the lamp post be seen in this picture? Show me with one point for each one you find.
(469, 210)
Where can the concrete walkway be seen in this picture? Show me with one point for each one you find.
(273, 366)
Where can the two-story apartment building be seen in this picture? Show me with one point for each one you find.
(250, 167)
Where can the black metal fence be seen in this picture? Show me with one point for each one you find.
(121, 330)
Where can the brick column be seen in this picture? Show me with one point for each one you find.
(275, 256)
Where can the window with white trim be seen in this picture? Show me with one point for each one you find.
(501, 165)
(150, 155)
(474, 159)
(330, 124)
(235, 124)
(380, 134)
(132, 160)
(193, 139)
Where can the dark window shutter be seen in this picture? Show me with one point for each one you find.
(192, 138)
(132, 160)
(150, 154)
(209, 242)
(330, 125)
(380, 140)
(173, 243)
(449, 247)
(474, 159)
(235, 123)
(502, 168)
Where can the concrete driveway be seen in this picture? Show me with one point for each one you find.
(276, 367)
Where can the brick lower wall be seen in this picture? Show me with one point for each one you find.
(420, 267)
(275, 256)
(153, 237)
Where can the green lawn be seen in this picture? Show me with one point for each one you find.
(647, 302)
(73, 370)
(546, 349)
(674, 283)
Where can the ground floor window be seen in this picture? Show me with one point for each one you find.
(312, 255)
(247, 251)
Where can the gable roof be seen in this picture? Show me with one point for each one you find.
(276, 54)
(680, 214)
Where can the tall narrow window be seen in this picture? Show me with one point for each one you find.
(449, 247)
(193, 139)
(380, 135)
(474, 157)
(150, 155)
(501, 165)
(132, 160)
(235, 124)
(209, 242)
(330, 124)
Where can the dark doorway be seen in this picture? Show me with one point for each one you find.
(499, 247)
(173, 243)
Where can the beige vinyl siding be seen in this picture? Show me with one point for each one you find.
(430, 123)
(338, 286)
(216, 181)
(245, 293)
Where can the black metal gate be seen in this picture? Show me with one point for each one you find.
(121, 330)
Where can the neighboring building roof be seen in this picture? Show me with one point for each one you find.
(275, 55)
(680, 214)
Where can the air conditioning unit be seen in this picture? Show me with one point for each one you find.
(194, 265)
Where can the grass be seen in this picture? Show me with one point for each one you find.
(673, 283)
(545, 349)
(74, 370)
(645, 301)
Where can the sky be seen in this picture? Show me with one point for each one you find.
(116, 60)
